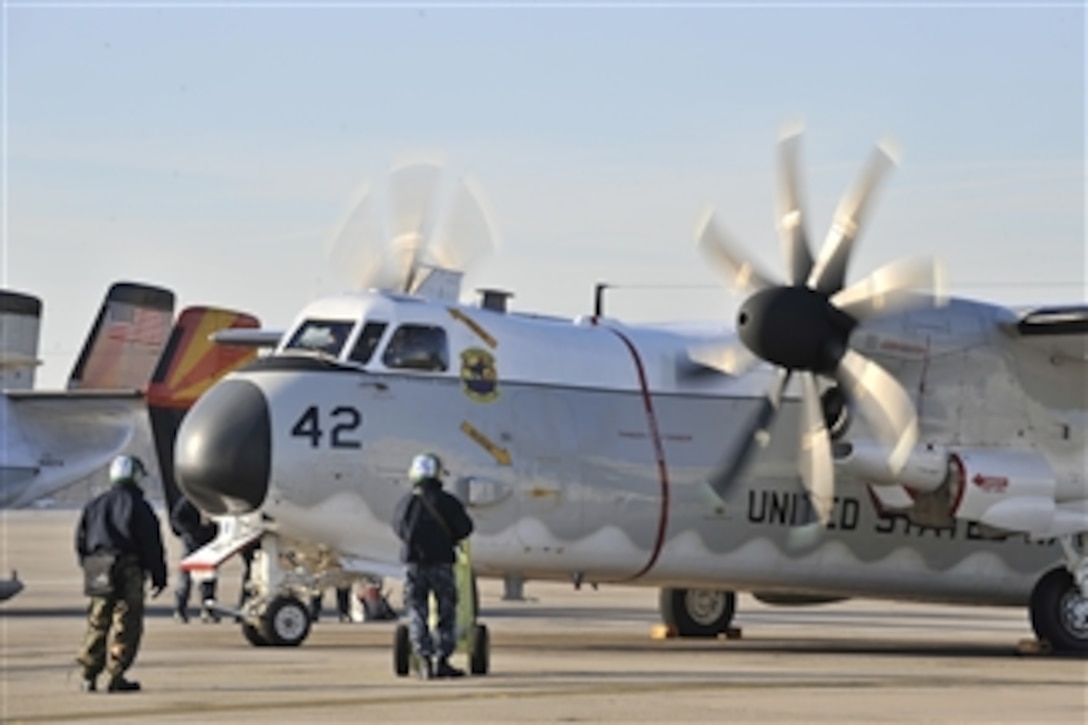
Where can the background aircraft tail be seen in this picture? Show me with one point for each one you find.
(20, 324)
(188, 367)
(126, 340)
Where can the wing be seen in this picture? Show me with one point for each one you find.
(53, 439)
(1060, 331)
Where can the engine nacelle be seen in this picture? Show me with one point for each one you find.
(1011, 490)
(925, 469)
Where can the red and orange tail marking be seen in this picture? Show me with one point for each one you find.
(191, 362)
(188, 366)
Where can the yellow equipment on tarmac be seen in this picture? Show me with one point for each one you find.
(471, 636)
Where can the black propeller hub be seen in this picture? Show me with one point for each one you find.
(794, 327)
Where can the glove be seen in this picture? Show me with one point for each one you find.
(156, 590)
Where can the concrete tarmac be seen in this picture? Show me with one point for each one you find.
(561, 656)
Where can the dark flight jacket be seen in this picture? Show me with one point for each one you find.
(426, 541)
(120, 521)
(186, 522)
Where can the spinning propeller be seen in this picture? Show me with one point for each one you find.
(420, 225)
(803, 326)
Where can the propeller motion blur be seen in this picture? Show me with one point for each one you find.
(846, 440)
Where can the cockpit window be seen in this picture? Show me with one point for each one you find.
(368, 341)
(324, 336)
(417, 347)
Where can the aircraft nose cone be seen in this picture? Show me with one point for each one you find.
(223, 452)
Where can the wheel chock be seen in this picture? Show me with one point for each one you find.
(663, 631)
(1034, 647)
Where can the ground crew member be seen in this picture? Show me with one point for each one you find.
(343, 604)
(195, 530)
(119, 545)
(430, 522)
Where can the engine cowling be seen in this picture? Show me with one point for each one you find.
(924, 470)
(1009, 490)
(1012, 490)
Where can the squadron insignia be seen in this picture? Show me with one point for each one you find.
(479, 375)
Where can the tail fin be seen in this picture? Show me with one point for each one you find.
(126, 340)
(188, 367)
(20, 324)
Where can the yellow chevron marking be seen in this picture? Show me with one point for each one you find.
(474, 326)
(500, 454)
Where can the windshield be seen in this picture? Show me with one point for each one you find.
(324, 336)
(367, 342)
(417, 347)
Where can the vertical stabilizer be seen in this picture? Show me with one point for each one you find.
(189, 365)
(126, 340)
(20, 324)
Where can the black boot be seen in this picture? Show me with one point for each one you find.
(118, 683)
(445, 669)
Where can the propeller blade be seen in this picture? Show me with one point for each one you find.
(757, 433)
(817, 472)
(357, 251)
(731, 358)
(467, 231)
(742, 276)
(791, 217)
(829, 274)
(413, 206)
(883, 402)
(902, 285)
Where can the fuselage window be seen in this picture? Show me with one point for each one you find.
(368, 341)
(417, 347)
(324, 336)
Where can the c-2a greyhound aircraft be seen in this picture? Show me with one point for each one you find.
(933, 450)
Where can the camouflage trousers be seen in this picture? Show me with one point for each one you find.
(423, 580)
(124, 609)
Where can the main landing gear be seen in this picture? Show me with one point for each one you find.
(1059, 602)
(697, 612)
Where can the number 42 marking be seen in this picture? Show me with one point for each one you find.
(345, 420)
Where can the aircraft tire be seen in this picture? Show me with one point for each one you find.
(253, 635)
(402, 650)
(697, 612)
(1059, 613)
(286, 622)
(480, 661)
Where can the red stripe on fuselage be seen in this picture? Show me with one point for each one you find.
(659, 454)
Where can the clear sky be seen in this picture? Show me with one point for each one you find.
(213, 148)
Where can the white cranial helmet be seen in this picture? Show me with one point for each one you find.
(424, 466)
(127, 469)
